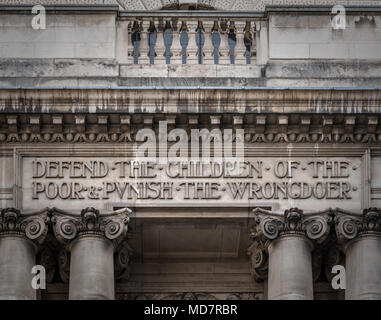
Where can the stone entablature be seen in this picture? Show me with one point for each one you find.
(189, 100)
(115, 116)
(121, 128)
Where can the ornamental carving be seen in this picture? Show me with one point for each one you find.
(68, 226)
(33, 226)
(122, 258)
(259, 262)
(269, 225)
(97, 129)
(350, 225)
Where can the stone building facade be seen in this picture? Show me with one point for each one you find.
(296, 98)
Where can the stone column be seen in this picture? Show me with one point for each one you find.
(20, 236)
(284, 244)
(360, 236)
(91, 239)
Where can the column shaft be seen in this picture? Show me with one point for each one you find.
(363, 268)
(92, 269)
(17, 258)
(290, 268)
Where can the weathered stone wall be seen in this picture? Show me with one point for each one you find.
(230, 5)
(79, 36)
(312, 37)
(7, 178)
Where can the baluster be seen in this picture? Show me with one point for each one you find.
(160, 48)
(232, 41)
(208, 47)
(144, 44)
(254, 48)
(240, 48)
(192, 46)
(168, 40)
(224, 47)
(135, 40)
(248, 41)
(200, 42)
(216, 42)
(152, 39)
(184, 41)
(176, 46)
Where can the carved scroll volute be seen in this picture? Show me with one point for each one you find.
(33, 226)
(315, 226)
(259, 262)
(350, 225)
(122, 262)
(113, 226)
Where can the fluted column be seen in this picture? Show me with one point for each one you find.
(91, 239)
(284, 243)
(360, 236)
(20, 236)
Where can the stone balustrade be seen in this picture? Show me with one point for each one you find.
(191, 38)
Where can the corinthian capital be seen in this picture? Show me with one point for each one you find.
(32, 226)
(350, 225)
(270, 225)
(68, 226)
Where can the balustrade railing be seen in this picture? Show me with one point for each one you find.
(191, 38)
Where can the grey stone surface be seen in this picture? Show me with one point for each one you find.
(363, 268)
(290, 269)
(92, 269)
(17, 258)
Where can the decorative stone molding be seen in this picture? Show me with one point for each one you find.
(333, 257)
(47, 259)
(350, 225)
(112, 226)
(259, 262)
(95, 129)
(68, 226)
(269, 226)
(122, 262)
(227, 5)
(190, 296)
(64, 265)
(32, 226)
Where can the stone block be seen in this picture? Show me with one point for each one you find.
(365, 50)
(54, 50)
(192, 71)
(17, 50)
(94, 50)
(289, 51)
(329, 51)
(137, 71)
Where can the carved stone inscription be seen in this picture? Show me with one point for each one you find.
(67, 181)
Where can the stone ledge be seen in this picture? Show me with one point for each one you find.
(31, 68)
(190, 71)
(302, 69)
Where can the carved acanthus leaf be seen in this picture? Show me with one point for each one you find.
(270, 225)
(350, 225)
(113, 226)
(33, 226)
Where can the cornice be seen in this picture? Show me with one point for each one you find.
(287, 128)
